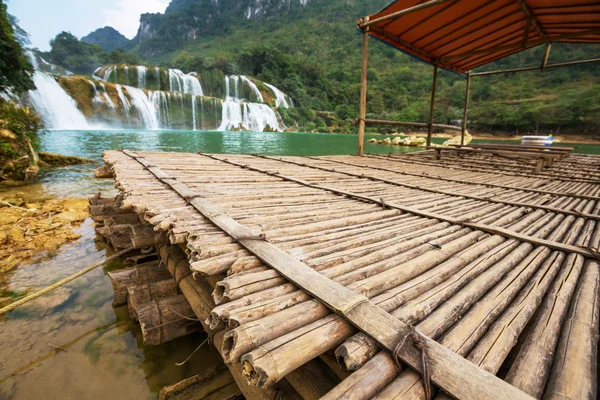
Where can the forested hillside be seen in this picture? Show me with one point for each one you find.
(311, 50)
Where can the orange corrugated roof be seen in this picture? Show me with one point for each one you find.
(460, 35)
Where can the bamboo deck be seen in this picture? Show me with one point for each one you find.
(288, 261)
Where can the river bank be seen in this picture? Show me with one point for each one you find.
(561, 138)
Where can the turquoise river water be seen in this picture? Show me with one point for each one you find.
(85, 349)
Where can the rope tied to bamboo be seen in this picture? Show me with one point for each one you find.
(188, 199)
(260, 236)
(419, 342)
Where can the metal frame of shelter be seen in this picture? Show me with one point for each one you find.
(477, 32)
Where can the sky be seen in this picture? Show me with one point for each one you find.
(44, 19)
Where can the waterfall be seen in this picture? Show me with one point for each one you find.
(184, 83)
(107, 98)
(126, 71)
(141, 71)
(258, 116)
(94, 74)
(279, 97)
(231, 116)
(254, 88)
(97, 98)
(174, 82)
(107, 73)
(33, 59)
(124, 101)
(193, 112)
(144, 107)
(161, 107)
(157, 77)
(57, 108)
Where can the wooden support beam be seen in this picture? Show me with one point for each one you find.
(451, 372)
(432, 105)
(465, 112)
(363, 91)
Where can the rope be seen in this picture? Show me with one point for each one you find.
(190, 356)
(60, 283)
(419, 342)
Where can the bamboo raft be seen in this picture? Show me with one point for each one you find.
(368, 277)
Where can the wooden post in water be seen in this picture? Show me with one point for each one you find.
(363, 91)
(464, 121)
(431, 106)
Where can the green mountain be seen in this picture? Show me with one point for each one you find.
(108, 39)
(311, 50)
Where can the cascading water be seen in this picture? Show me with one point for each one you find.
(107, 98)
(258, 116)
(254, 88)
(107, 73)
(144, 107)
(184, 83)
(57, 108)
(141, 71)
(124, 101)
(280, 100)
(182, 107)
(237, 114)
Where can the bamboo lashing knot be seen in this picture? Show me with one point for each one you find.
(419, 342)
(183, 316)
(188, 199)
(382, 202)
(592, 251)
(260, 236)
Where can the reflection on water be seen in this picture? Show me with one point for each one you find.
(81, 347)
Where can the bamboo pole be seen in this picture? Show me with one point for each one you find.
(273, 257)
(574, 373)
(363, 90)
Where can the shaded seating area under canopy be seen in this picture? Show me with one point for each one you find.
(461, 35)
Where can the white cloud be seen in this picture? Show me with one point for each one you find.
(125, 17)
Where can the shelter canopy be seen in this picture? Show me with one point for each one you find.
(460, 35)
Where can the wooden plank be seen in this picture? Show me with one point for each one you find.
(451, 372)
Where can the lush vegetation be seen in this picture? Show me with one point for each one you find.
(83, 58)
(15, 69)
(318, 64)
(19, 141)
(19, 126)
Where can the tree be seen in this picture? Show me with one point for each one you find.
(75, 55)
(16, 72)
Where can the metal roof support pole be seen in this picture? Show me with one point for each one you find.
(432, 105)
(394, 16)
(464, 121)
(546, 55)
(363, 91)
